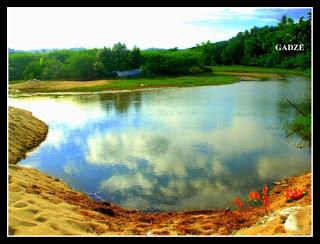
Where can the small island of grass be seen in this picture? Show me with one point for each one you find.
(220, 75)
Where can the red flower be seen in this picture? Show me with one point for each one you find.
(294, 194)
(238, 202)
(254, 196)
(265, 190)
(266, 203)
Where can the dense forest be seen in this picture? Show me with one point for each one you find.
(255, 47)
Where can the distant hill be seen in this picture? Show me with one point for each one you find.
(44, 50)
(154, 49)
(163, 49)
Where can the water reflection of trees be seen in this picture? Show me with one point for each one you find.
(122, 102)
(300, 95)
(297, 91)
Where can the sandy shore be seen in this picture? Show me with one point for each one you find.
(25, 133)
(43, 205)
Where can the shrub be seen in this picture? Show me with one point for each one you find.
(171, 63)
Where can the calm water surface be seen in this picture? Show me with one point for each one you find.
(171, 149)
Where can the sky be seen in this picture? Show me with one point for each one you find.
(95, 27)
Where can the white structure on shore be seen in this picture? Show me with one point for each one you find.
(129, 73)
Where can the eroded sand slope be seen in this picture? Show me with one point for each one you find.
(25, 133)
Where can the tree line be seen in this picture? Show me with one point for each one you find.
(254, 47)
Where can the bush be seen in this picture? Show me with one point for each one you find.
(302, 125)
(199, 69)
(304, 60)
(171, 63)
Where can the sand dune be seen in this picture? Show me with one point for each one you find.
(35, 208)
(25, 133)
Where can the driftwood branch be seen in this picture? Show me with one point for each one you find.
(295, 106)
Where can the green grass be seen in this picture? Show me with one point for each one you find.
(180, 81)
(141, 83)
(247, 69)
(16, 81)
(217, 77)
(302, 126)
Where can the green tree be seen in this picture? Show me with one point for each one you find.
(120, 56)
(52, 70)
(233, 53)
(80, 66)
(207, 52)
(32, 71)
(104, 61)
(135, 58)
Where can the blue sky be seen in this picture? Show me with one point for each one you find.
(36, 28)
(259, 17)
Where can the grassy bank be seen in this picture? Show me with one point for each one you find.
(179, 81)
(301, 126)
(123, 84)
(259, 70)
(16, 81)
(221, 75)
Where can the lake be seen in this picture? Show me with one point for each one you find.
(171, 149)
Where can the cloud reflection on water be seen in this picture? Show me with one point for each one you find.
(170, 149)
(206, 174)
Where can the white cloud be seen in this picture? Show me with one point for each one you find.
(175, 154)
(182, 194)
(55, 137)
(123, 182)
(127, 148)
(56, 112)
(218, 168)
(218, 193)
(72, 168)
(278, 166)
(32, 164)
(35, 28)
